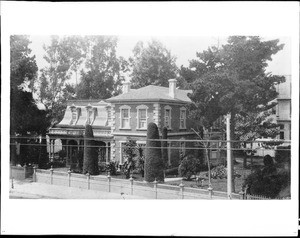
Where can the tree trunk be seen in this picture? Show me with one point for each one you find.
(43, 155)
(245, 157)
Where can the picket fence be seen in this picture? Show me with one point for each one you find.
(130, 186)
(152, 190)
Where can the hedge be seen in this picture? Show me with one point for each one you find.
(90, 156)
(153, 160)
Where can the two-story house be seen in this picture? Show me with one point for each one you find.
(125, 116)
(283, 108)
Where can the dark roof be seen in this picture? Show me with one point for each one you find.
(152, 93)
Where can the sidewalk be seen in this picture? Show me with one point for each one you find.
(27, 189)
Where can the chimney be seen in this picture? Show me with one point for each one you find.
(126, 87)
(172, 88)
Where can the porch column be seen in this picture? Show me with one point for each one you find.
(50, 147)
(106, 152)
(67, 148)
(53, 148)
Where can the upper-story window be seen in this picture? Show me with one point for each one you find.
(74, 116)
(142, 117)
(125, 117)
(182, 118)
(89, 116)
(168, 117)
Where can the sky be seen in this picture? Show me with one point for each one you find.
(183, 47)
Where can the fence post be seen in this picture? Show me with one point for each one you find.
(181, 185)
(25, 170)
(34, 174)
(155, 188)
(246, 195)
(51, 175)
(69, 177)
(210, 191)
(108, 178)
(131, 184)
(242, 194)
(88, 180)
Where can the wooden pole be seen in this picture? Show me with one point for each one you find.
(229, 159)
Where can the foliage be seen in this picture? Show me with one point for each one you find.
(103, 74)
(164, 145)
(283, 154)
(102, 166)
(220, 172)
(171, 171)
(153, 160)
(189, 166)
(152, 65)
(62, 153)
(77, 162)
(25, 116)
(251, 126)
(90, 157)
(111, 167)
(267, 181)
(232, 79)
(140, 160)
(63, 56)
(129, 152)
(26, 119)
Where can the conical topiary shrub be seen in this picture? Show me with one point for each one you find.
(90, 158)
(154, 164)
(164, 145)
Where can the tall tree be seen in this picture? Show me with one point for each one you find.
(153, 64)
(26, 119)
(232, 79)
(64, 57)
(102, 75)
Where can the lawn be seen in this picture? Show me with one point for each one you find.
(221, 184)
(217, 184)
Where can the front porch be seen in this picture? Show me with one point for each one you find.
(71, 147)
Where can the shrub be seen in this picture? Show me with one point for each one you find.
(102, 166)
(130, 151)
(189, 166)
(171, 171)
(153, 161)
(90, 157)
(111, 167)
(268, 182)
(283, 154)
(62, 153)
(164, 145)
(220, 171)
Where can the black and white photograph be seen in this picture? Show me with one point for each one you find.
(150, 124)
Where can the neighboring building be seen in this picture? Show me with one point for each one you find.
(125, 116)
(283, 108)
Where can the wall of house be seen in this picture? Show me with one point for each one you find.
(155, 113)
(175, 118)
(283, 108)
(133, 117)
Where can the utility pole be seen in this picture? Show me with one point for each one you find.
(229, 158)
